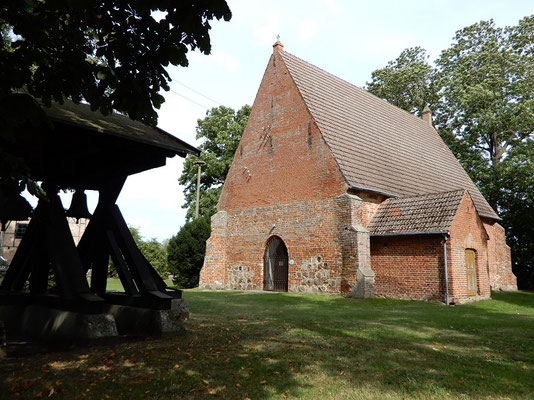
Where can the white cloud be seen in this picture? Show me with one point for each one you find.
(266, 33)
(307, 29)
(332, 7)
(226, 60)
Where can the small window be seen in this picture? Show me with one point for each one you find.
(20, 230)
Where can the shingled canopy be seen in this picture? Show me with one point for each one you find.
(425, 214)
(75, 147)
(378, 146)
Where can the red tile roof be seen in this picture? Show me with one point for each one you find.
(429, 213)
(379, 146)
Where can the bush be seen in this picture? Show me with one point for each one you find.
(186, 252)
(154, 251)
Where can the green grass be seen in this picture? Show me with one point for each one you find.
(115, 285)
(282, 345)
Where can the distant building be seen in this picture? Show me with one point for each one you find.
(335, 190)
(15, 231)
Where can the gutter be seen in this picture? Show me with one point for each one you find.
(409, 233)
(445, 237)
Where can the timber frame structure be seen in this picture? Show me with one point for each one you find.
(75, 147)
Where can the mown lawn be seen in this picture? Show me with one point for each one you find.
(281, 345)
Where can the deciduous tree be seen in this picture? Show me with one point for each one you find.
(221, 130)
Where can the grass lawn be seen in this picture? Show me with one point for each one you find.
(115, 285)
(282, 345)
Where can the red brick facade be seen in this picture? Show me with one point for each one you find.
(409, 267)
(285, 182)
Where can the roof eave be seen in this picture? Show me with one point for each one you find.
(409, 233)
(366, 189)
(181, 152)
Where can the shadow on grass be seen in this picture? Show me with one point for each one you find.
(278, 345)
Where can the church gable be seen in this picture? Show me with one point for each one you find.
(282, 156)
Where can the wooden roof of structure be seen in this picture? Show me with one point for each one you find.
(78, 147)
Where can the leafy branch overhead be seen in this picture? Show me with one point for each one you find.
(112, 55)
(221, 131)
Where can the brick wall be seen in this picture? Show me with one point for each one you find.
(283, 181)
(408, 267)
(467, 232)
(309, 230)
(10, 243)
(500, 264)
(282, 156)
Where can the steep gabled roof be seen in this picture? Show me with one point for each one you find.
(379, 146)
(429, 213)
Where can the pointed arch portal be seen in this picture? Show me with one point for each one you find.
(275, 265)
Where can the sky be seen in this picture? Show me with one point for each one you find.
(349, 39)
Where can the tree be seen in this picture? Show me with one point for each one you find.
(221, 130)
(408, 82)
(186, 252)
(484, 110)
(154, 251)
(110, 54)
(488, 95)
(518, 215)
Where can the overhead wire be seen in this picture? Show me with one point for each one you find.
(188, 99)
(197, 92)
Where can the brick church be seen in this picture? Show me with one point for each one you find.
(333, 190)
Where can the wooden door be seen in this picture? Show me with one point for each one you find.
(471, 269)
(275, 266)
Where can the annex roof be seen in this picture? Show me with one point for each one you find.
(429, 213)
(378, 146)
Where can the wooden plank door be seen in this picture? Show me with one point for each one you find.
(275, 270)
(471, 269)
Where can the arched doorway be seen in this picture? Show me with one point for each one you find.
(275, 263)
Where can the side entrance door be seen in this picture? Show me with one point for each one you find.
(471, 268)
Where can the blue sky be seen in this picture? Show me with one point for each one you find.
(347, 38)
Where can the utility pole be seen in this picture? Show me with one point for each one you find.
(200, 164)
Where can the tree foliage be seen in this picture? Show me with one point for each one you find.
(108, 53)
(154, 251)
(221, 130)
(186, 252)
(481, 91)
(407, 82)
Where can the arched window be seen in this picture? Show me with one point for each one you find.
(275, 265)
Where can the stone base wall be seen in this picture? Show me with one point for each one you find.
(321, 259)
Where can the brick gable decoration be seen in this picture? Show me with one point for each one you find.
(358, 197)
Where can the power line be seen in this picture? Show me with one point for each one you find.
(192, 101)
(197, 92)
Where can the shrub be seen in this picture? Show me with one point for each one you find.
(186, 252)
